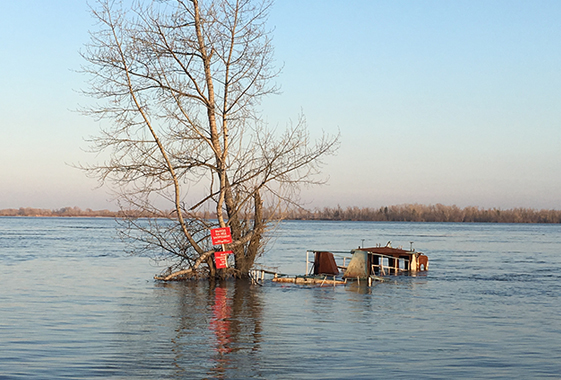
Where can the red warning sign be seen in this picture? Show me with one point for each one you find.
(221, 259)
(221, 236)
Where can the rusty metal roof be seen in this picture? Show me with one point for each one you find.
(389, 251)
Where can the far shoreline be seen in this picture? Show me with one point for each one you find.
(398, 213)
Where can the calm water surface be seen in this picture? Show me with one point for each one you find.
(74, 305)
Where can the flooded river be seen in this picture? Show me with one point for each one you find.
(74, 305)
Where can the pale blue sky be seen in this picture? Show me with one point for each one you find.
(453, 102)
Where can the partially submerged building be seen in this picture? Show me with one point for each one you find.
(381, 261)
(366, 262)
(330, 267)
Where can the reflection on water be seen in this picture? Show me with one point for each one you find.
(213, 330)
(236, 323)
(220, 322)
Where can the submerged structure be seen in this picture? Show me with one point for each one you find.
(364, 264)
(381, 261)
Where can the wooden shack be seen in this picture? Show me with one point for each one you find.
(381, 261)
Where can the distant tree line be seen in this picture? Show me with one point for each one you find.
(65, 211)
(429, 213)
(397, 213)
(78, 212)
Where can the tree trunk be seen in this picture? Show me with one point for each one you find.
(255, 243)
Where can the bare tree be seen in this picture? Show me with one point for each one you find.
(180, 82)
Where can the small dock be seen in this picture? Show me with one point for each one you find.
(305, 280)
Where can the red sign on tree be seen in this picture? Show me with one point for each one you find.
(221, 259)
(221, 236)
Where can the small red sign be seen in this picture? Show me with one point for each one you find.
(221, 236)
(221, 259)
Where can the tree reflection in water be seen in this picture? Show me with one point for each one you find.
(218, 332)
(236, 323)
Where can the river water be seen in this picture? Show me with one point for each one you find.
(74, 305)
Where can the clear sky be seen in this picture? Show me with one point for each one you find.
(453, 102)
